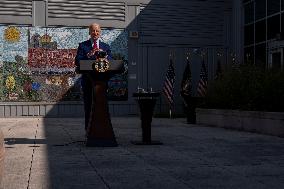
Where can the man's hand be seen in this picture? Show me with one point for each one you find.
(93, 52)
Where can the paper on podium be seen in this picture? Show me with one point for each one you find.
(114, 65)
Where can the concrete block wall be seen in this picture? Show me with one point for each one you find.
(271, 123)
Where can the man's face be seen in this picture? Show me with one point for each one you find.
(95, 32)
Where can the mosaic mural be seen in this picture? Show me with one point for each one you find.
(38, 64)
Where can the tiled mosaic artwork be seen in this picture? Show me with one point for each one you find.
(37, 64)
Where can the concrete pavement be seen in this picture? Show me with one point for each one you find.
(49, 153)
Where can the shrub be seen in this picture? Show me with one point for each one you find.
(247, 88)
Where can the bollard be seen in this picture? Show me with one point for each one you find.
(1, 156)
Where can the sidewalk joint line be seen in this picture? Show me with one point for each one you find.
(30, 171)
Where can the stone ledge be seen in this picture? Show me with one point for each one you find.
(271, 123)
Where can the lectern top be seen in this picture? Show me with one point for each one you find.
(146, 94)
(114, 65)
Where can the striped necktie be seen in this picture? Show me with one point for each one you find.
(95, 46)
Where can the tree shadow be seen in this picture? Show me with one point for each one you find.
(73, 147)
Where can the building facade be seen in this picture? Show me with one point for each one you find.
(263, 29)
(42, 37)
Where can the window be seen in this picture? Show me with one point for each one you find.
(273, 6)
(249, 34)
(249, 13)
(276, 60)
(260, 55)
(249, 55)
(282, 26)
(273, 27)
(260, 9)
(260, 31)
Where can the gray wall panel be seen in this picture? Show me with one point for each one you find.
(36, 110)
(51, 110)
(183, 22)
(25, 110)
(7, 111)
(31, 111)
(42, 110)
(2, 111)
(79, 110)
(39, 13)
(13, 111)
(16, 12)
(133, 109)
(120, 110)
(111, 110)
(82, 13)
(19, 110)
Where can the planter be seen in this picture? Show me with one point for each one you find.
(1, 156)
(271, 123)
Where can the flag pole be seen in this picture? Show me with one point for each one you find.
(170, 109)
(171, 105)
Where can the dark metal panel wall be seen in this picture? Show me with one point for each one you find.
(183, 22)
(179, 27)
(81, 13)
(16, 12)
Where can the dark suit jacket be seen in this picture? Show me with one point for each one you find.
(84, 48)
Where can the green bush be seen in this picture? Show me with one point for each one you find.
(247, 88)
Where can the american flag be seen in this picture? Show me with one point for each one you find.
(203, 81)
(168, 88)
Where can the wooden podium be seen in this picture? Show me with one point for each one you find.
(100, 132)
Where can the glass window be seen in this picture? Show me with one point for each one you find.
(260, 9)
(282, 25)
(273, 6)
(249, 55)
(276, 60)
(249, 12)
(260, 31)
(260, 55)
(273, 26)
(249, 34)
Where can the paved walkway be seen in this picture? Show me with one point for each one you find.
(47, 153)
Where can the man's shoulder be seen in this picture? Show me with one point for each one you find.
(104, 44)
(84, 43)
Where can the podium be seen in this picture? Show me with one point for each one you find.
(100, 132)
(146, 102)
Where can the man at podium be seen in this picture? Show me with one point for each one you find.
(88, 50)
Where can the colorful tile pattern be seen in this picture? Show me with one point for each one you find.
(37, 64)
